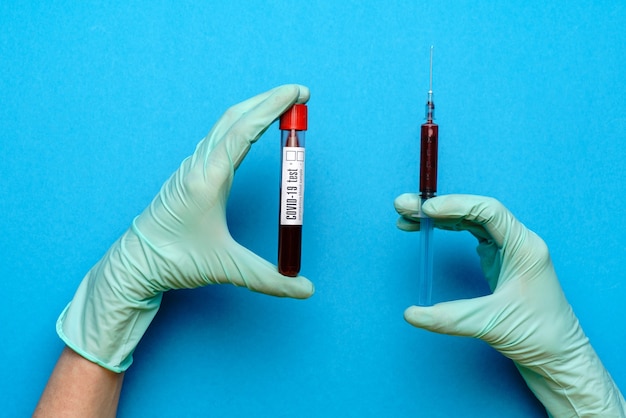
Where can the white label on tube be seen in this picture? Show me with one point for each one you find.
(292, 186)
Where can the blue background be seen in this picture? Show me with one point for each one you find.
(99, 104)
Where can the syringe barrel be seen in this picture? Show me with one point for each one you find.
(425, 284)
(428, 159)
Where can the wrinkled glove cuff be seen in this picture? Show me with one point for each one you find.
(111, 310)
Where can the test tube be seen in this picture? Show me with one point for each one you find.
(293, 125)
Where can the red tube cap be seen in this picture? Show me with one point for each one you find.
(294, 118)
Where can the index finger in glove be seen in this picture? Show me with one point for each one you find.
(244, 123)
(486, 217)
(408, 207)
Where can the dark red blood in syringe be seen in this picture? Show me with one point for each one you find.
(428, 160)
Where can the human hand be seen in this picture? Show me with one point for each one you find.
(180, 241)
(527, 317)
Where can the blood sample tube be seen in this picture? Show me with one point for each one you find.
(293, 124)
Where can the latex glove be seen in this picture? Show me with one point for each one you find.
(180, 241)
(527, 317)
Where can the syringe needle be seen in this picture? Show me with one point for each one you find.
(430, 89)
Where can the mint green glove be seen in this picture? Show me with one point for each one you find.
(180, 241)
(527, 317)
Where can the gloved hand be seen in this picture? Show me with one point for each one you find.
(180, 241)
(527, 317)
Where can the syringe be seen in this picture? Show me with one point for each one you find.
(428, 189)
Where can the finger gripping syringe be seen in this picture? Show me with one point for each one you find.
(428, 189)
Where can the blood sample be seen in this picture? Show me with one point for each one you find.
(428, 154)
(293, 125)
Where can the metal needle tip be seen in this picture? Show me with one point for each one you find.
(430, 90)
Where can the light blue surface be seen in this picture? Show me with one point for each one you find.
(99, 104)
